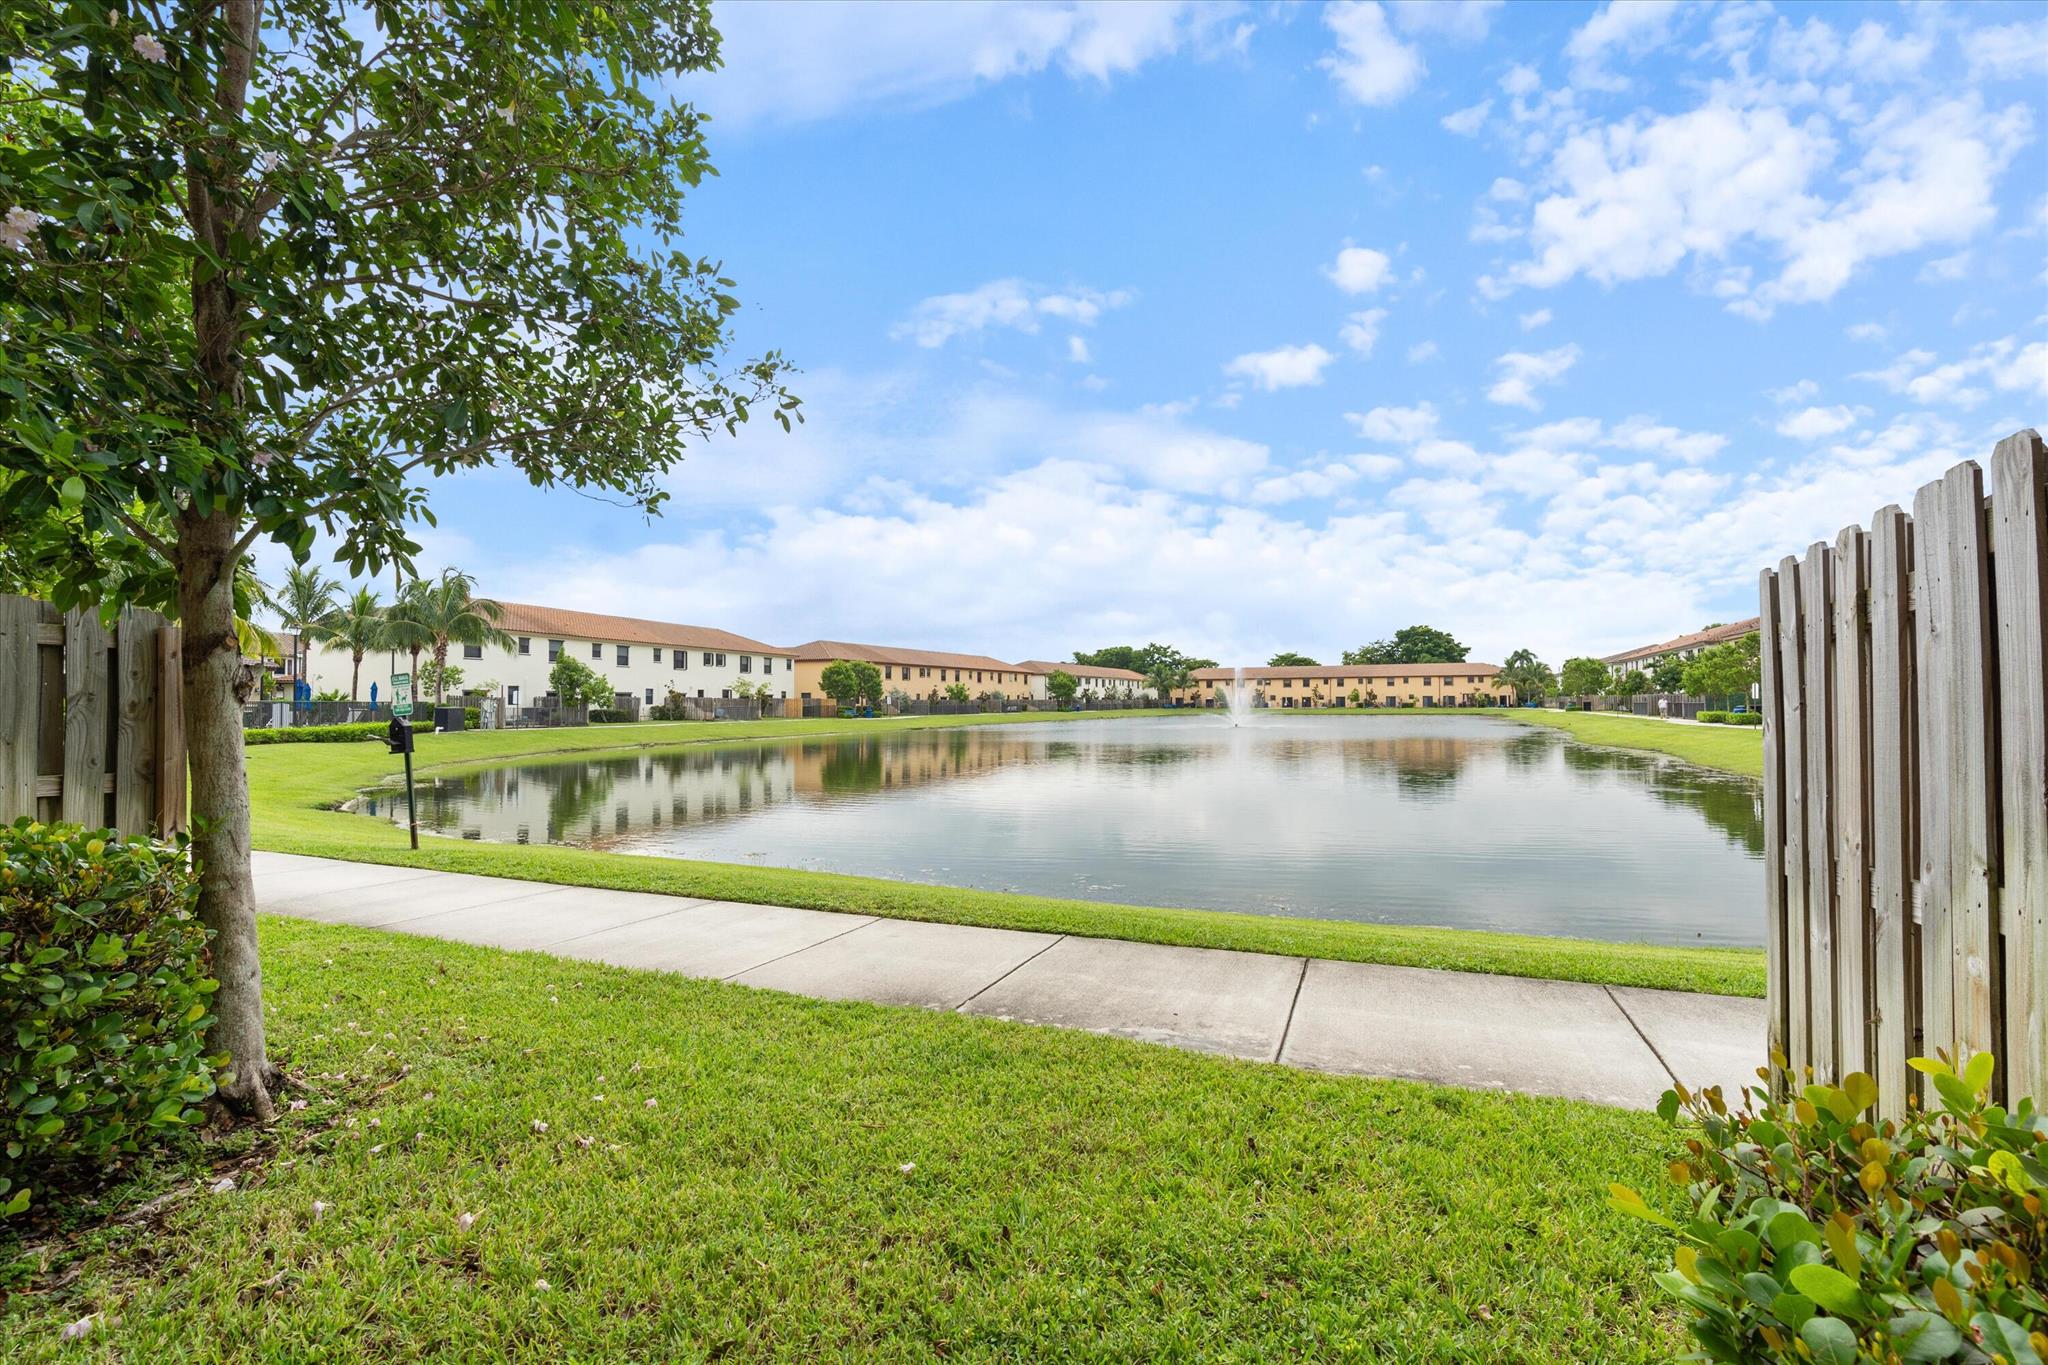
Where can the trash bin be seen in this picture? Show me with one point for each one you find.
(450, 718)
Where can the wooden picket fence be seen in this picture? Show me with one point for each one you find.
(1905, 703)
(91, 720)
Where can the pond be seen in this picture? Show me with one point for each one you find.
(1470, 822)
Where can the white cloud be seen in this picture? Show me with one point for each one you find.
(2007, 51)
(1422, 351)
(1797, 392)
(1635, 198)
(1946, 269)
(1002, 303)
(1077, 350)
(1464, 21)
(1521, 81)
(1531, 321)
(1865, 331)
(1361, 331)
(1468, 121)
(1370, 65)
(1284, 367)
(1360, 269)
(2007, 365)
(1519, 373)
(1627, 28)
(1404, 426)
(1811, 424)
(790, 63)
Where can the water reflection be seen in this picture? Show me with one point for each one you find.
(1462, 821)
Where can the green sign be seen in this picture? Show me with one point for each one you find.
(401, 694)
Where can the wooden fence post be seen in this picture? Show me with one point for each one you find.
(2019, 479)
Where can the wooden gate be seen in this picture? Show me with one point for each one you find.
(1905, 707)
(91, 719)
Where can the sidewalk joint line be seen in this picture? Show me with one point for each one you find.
(1292, 1005)
(1642, 1035)
(452, 910)
(805, 949)
(592, 933)
(1057, 941)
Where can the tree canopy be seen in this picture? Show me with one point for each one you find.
(1289, 659)
(852, 682)
(1582, 677)
(1061, 685)
(1725, 670)
(1411, 645)
(1528, 675)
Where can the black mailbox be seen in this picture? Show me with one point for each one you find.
(399, 736)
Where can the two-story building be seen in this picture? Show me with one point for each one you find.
(1348, 685)
(923, 674)
(1682, 648)
(1108, 684)
(642, 660)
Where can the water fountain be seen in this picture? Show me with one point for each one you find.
(1239, 699)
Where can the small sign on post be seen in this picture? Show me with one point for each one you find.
(401, 694)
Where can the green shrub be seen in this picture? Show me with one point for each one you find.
(1746, 718)
(103, 1001)
(472, 718)
(315, 734)
(600, 716)
(1714, 717)
(1820, 1232)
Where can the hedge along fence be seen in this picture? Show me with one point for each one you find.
(92, 723)
(1905, 702)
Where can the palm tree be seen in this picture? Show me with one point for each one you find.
(359, 626)
(307, 603)
(431, 614)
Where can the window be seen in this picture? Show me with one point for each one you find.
(657, 654)
(679, 658)
(889, 670)
(767, 665)
(727, 693)
(596, 650)
(650, 696)
(554, 650)
(472, 651)
(525, 644)
(625, 653)
(746, 663)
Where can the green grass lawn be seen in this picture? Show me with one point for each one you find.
(292, 786)
(1732, 748)
(824, 1181)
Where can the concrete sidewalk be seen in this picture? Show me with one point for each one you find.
(1612, 1045)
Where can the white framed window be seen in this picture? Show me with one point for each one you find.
(625, 655)
(526, 644)
(596, 650)
(657, 654)
(472, 651)
(554, 650)
(746, 663)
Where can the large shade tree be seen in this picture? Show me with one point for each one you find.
(1411, 645)
(270, 268)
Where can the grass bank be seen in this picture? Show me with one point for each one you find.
(292, 788)
(1731, 748)
(664, 1169)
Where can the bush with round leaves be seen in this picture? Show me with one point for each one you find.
(104, 1002)
(1822, 1232)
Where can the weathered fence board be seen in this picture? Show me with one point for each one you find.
(91, 719)
(1905, 702)
(2020, 540)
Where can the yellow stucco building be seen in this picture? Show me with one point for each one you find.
(1305, 687)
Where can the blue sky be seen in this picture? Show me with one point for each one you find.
(1261, 327)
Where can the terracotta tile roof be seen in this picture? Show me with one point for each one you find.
(1350, 671)
(559, 623)
(1712, 635)
(1082, 670)
(819, 651)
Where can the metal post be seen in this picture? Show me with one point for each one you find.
(412, 810)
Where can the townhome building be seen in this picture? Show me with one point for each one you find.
(1109, 684)
(1684, 647)
(1310, 686)
(923, 674)
(643, 660)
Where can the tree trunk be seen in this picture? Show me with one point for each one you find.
(440, 670)
(220, 806)
(355, 675)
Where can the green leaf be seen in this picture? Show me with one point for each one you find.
(1977, 1075)
(1791, 1227)
(1922, 1336)
(1956, 1096)
(1928, 1066)
(1793, 1309)
(2006, 1337)
(72, 493)
(1861, 1090)
(1829, 1288)
(1832, 1341)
